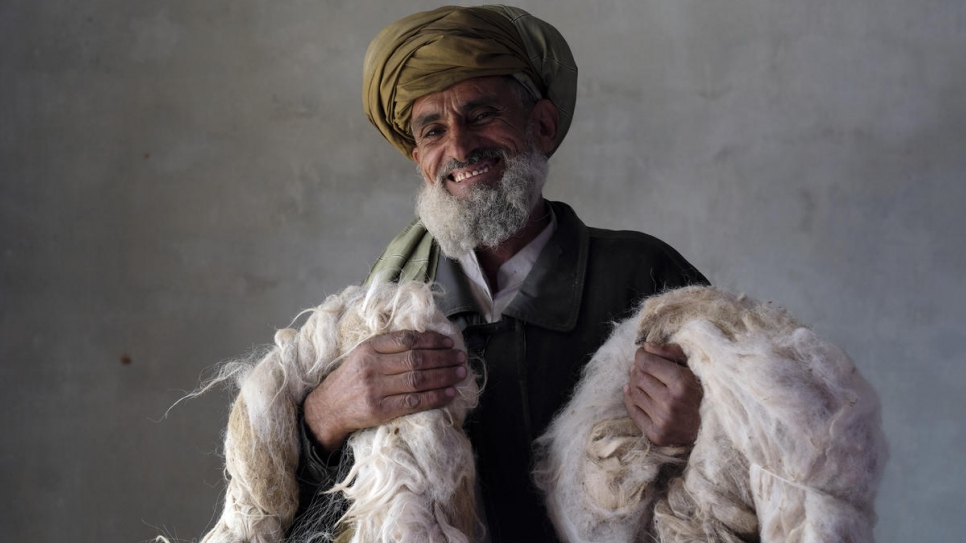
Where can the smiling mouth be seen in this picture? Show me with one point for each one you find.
(472, 171)
(466, 175)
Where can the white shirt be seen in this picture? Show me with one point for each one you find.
(510, 276)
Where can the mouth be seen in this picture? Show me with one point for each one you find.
(472, 171)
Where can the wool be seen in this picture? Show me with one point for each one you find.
(790, 447)
(412, 478)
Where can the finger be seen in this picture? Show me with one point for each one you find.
(423, 380)
(406, 404)
(420, 360)
(634, 411)
(652, 404)
(407, 340)
(648, 383)
(667, 371)
(653, 421)
(669, 351)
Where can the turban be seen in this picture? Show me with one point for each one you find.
(431, 51)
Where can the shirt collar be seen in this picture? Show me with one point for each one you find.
(510, 276)
(551, 294)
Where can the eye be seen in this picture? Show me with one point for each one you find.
(430, 132)
(483, 115)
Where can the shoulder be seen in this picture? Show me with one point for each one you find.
(642, 254)
(630, 257)
(633, 244)
(628, 239)
(626, 247)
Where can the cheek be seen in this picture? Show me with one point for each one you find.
(511, 135)
(428, 169)
(428, 177)
(424, 164)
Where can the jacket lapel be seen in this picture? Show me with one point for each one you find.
(551, 294)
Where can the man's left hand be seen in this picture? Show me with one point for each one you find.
(663, 397)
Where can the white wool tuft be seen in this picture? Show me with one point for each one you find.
(413, 477)
(790, 447)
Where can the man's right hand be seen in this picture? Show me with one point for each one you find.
(383, 378)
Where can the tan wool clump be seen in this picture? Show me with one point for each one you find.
(412, 479)
(790, 447)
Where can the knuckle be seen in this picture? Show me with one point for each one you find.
(384, 407)
(411, 401)
(414, 360)
(414, 380)
(408, 360)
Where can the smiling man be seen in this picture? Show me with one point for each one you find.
(479, 99)
(482, 151)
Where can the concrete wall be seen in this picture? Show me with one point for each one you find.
(178, 179)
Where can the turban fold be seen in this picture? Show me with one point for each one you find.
(431, 51)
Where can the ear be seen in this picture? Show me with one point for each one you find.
(543, 118)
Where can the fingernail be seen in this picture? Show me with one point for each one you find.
(461, 372)
(450, 392)
(448, 342)
(460, 357)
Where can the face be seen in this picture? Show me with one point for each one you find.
(484, 160)
(461, 131)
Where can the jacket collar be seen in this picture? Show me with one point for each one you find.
(551, 294)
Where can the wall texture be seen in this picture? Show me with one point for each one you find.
(178, 179)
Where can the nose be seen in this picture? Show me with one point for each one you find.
(462, 142)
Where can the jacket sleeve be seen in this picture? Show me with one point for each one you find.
(317, 472)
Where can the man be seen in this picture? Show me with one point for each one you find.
(479, 98)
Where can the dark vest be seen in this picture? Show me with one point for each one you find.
(584, 280)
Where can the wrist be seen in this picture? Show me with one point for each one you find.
(324, 431)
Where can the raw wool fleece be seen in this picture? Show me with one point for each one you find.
(790, 447)
(413, 477)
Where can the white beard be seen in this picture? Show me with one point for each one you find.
(486, 216)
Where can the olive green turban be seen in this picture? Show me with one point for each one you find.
(430, 51)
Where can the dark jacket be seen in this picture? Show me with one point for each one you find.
(584, 280)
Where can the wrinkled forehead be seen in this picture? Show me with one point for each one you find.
(463, 97)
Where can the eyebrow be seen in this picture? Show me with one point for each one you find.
(423, 120)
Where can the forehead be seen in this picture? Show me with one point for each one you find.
(463, 95)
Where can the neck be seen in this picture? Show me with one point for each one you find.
(491, 258)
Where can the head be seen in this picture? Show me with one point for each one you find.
(478, 97)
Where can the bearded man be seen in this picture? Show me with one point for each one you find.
(479, 98)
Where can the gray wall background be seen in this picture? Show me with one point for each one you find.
(178, 179)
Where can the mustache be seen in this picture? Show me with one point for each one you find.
(475, 156)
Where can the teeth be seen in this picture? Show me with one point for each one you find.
(464, 175)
